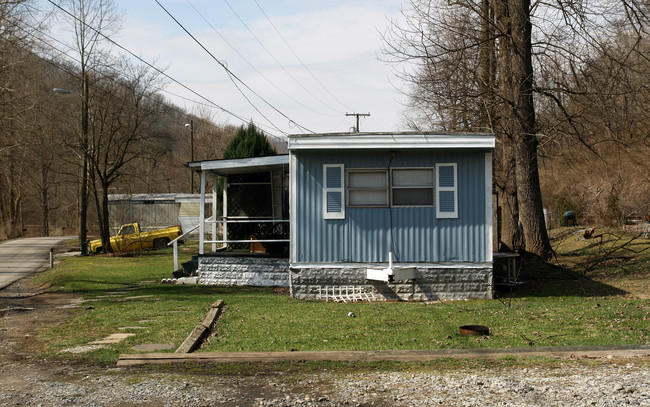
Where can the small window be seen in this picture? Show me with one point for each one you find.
(333, 190)
(412, 186)
(127, 230)
(447, 194)
(367, 188)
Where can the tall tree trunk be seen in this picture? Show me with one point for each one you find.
(529, 196)
(487, 67)
(45, 213)
(505, 174)
(487, 77)
(45, 209)
(101, 206)
(15, 198)
(506, 182)
(106, 231)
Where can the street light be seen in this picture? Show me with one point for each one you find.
(191, 126)
(83, 187)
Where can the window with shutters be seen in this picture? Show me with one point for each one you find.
(333, 191)
(412, 187)
(447, 191)
(401, 187)
(367, 188)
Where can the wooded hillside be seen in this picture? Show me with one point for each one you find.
(132, 140)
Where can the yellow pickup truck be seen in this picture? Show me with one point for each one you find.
(131, 238)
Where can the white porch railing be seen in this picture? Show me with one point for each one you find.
(225, 222)
(174, 243)
(231, 220)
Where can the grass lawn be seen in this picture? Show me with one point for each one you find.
(593, 294)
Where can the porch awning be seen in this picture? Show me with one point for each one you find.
(241, 165)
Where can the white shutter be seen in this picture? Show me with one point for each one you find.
(446, 191)
(333, 191)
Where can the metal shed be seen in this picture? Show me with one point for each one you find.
(153, 211)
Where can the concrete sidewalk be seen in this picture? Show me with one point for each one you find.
(376, 356)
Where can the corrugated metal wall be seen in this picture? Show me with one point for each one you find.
(413, 234)
(150, 216)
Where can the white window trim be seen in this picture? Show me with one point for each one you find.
(432, 187)
(341, 190)
(440, 214)
(387, 189)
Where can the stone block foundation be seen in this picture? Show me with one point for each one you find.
(432, 282)
(243, 271)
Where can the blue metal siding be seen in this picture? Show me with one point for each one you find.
(366, 235)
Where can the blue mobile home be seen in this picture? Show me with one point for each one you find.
(360, 202)
(389, 215)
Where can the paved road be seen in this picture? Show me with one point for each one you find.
(19, 258)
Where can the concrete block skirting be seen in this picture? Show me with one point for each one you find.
(243, 271)
(432, 282)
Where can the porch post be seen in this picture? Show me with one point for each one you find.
(202, 214)
(214, 212)
(224, 206)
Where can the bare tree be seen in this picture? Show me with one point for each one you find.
(512, 58)
(91, 21)
(121, 123)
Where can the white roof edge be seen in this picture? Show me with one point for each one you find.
(242, 162)
(165, 196)
(404, 140)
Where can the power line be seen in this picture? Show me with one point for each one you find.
(75, 75)
(168, 106)
(253, 67)
(213, 104)
(232, 75)
(298, 58)
(226, 129)
(276, 60)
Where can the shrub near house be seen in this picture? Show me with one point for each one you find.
(130, 238)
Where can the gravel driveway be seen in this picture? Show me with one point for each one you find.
(569, 384)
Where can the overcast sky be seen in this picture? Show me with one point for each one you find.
(338, 41)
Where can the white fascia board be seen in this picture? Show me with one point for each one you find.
(240, 163)
(391, 141)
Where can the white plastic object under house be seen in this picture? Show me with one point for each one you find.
(391, 273)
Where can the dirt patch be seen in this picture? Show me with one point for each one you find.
(27, 308)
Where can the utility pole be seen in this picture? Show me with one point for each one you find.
(83, 188)
(356, 129)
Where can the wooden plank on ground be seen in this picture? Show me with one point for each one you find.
(194, 340)
(374, 356)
